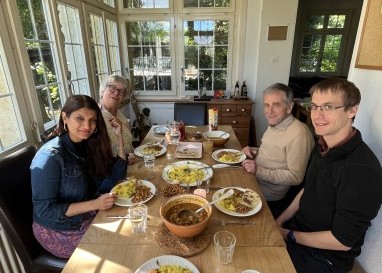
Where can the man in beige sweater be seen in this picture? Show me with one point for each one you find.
(282, 157)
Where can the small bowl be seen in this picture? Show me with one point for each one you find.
(185, 231)
(219, 138)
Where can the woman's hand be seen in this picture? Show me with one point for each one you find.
(105, 201)
(249, 165)
(131, 158)
(117, 125)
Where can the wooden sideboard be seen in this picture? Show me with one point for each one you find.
(236, 113)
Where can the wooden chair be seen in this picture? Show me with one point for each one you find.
(16, 213)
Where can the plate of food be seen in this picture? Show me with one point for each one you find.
(156, 149)
(187, 172)
(167, 263)
(228, 156)
(243, 202)
(188, 150)
(133, 191)
(161, 130)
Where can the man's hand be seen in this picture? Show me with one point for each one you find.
(250, 152)
(249, 165)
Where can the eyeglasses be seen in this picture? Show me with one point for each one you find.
(324, 108)
(114, 89)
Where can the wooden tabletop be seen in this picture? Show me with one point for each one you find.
(109, 244)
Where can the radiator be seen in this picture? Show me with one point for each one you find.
(9, 262)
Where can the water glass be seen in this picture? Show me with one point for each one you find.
(224, 246)
(207, 146)
(138, 217)
(149, 160)
(174, 136)
(205, 185)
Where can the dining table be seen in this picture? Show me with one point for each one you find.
(110, 245)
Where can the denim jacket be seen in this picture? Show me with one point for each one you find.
(59, 178)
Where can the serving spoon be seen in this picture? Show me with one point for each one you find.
(187, 213)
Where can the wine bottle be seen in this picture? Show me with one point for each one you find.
(237, 89)
(244, 90)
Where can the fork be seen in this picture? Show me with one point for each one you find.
(222, 222)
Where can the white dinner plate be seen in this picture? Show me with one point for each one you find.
(188, 150)
(215, 155)
(233, 213)
(126, 202)
(161, 130)
(166, 260)
(139, 150)
(208, 172)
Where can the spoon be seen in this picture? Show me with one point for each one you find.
(189, 213)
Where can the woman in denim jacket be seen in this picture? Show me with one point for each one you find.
(70, 171)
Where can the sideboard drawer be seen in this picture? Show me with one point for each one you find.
(236, 121)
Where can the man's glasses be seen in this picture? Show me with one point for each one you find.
(113, 89)
(324, 108)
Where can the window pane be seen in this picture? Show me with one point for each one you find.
(206, 51)
(149, 55)
(99, 46)
(331, 51)
(112, 38)
(309, 53)
(39, 16)
(316, 21)
(206, 3)
(50, 104)
(11, 128)
(336, 21)
(137, 4)
(109, 2)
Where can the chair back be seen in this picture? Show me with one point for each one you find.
(16, 210)
(191, 113)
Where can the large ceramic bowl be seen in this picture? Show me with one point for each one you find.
(184, 231)
(219, 138)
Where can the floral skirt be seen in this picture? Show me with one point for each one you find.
(61, 243)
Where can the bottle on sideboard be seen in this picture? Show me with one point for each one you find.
(237, 90)
(244, 90)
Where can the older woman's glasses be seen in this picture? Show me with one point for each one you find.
(113, 89)
(324, 108)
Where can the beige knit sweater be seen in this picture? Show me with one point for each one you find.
(282, 157)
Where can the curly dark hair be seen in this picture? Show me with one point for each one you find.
(99, 155)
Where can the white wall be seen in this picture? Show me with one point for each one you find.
(267, 62)
(368, 121)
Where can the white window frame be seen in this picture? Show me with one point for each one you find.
(141, 17)
(176, 14)
(12, 74)
(180, 45)
(75, 5)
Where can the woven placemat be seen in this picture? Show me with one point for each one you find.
(184, 247)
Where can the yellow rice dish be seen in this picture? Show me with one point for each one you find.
(185, 175)
(170, 269)
(126, 189)
(229, 157)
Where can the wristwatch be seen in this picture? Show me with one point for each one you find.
(290, 237)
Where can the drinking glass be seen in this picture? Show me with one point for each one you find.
(138, 217)
(224, 246)
(149, 160)
(207, 146)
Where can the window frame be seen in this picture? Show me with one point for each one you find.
(14, 75)
(306, 8)
(176, 14)
(180, 45)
